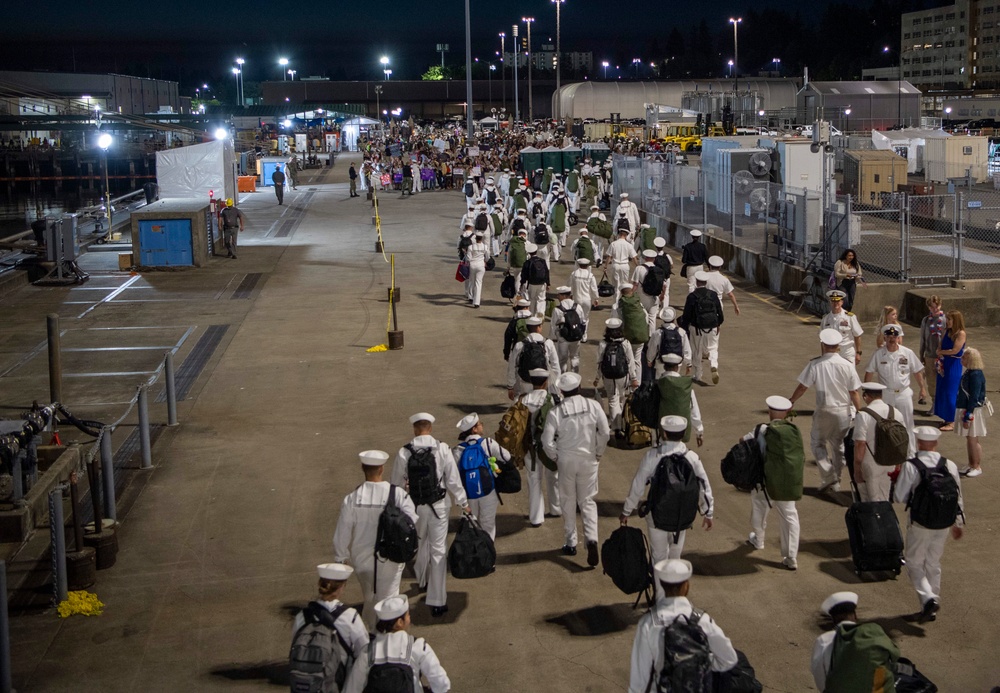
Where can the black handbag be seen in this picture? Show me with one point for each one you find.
(490, 264)
(604, 287)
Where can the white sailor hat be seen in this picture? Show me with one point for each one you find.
(489, 181)
(873, 386)
(522, 211)
(660, 242)
(534, 321)
(716, 261)
(538, 193)
(373, 458)
(595, 206)
(892, 329)
(506, 170)
(626, 286)
(480, 234)
(613, 323)
(701, 276)
(468, 225)
(538, 169)
(583, 262)
(836, 295)
(538, 373)
(778, 403)
(422, 416)
(583, 231)
(673, 571)
(649, 253)
(838, 598)
(623, 196)
(830, 337)
(622, 212)
(391, 608)
(522, 303)
(563, 290)
(469, 180)
(671, 358)
(667, 314)
(468, 422)
(643, 226)
(695, 233)
(334, 571)
(530, 248)
(568, 382)
(927, 433)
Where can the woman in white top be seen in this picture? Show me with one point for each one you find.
(382, 665)
(475, 254)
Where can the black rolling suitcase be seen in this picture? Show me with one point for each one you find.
(876, 540)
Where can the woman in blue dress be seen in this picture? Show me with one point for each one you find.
(949, 368)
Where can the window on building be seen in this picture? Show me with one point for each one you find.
(928, 32)
(961, 43)
(987, 39)
(987, 25)
(926, 73)
(949, 44)
(950, 15)
(876, 178)
(928, 20)
(916, 21)
(906, 35)
(966, 151)
(961, 15)
(938, 18)
(988, 10)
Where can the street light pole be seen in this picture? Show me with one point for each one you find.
(605, 65)
(468, 72)
(558, 4)
(531, 101)
(899, 87)
(490, 82)
(736, 52)
(503, 69)
(378, 93)
(240, 62)
(517, 54)
(236, 74)
(284, 66)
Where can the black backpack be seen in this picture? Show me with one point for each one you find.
(422, 476)
(319, 658)
(463, 246)
(517, 225)
(652, 283)
(622, 223)
(572, 327)
(396, 537)
(508, 287)
(706, 316)
(625, 557)
(664, 263)
(934, 502)
(537, 270)
(674, 492)
(541, 235)
(389, 677)
(614, 361)
(743, 466)
(671, 342)
(532, 357)
(536, 209)
(646, 404)
(687, 657)
(482, 221)
(491, 197)
(469, 189)
(472, 553)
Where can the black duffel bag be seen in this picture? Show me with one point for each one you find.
(472, 553)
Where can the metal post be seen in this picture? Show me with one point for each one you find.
(108, 474)
(144, 446)
(517, 56)
(6, 686)
(903, 239)
(168, 374)
(55, 357)
(58, 532)
(470, 131)
(17, 472)
(558, 114)
(732, 211)
(703, 184)
(960, 232)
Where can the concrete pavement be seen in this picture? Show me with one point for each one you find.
(221, 538)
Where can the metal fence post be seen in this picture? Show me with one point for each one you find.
(6, 686)
(732, 210)
(144, 446)
(58, 531)
(703, 182)
(168, 374)
(959, 241)
(108, 474)
(903, 237)
(55, 357)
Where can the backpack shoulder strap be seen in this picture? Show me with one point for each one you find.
(875, 415)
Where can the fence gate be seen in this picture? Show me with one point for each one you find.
(978, 236)
(932, 238)
(876, 230)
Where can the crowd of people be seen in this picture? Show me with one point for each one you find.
(649, 353)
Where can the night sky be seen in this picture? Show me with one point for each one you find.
(179, 41)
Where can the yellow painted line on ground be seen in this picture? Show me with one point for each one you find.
(806, 320)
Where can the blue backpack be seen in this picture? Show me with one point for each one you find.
(477, 477)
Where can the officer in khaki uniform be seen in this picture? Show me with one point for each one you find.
(846, 323)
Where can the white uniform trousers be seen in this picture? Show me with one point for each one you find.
(788, 523)
(556, 250)
(537, 477)
(902, 402)
(703, 342)
(389, 575)
(651, 304)
(569, 356)
(829, 426)
(619, 276)
(877, 485)
(586, 307)
(663, 546)
(577, 488)
(430, 566)
(477, 270)
(485, 510)
(536, 297)
(691, 271)
(617, 390)
(924, 548)
(848, 353)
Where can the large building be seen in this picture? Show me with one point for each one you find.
(545, 59)
(62, 93)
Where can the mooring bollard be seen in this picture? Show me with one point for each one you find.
(55, 357)
(108, 474)
(168, 374)
(6, 686)
(144, 445)
(58, 531)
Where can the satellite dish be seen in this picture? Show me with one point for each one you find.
(743, 182)
(760, 164)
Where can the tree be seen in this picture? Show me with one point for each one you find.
(435, 73)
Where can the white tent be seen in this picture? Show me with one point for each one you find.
(351, 130)
(194, 171)
(908, 143)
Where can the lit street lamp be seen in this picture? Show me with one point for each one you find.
(385, 66)
(736, 52)
(847, 116)
(730, 68)
(284, 64)
(635, 64)
(291, 73)
(104, 141)
(777, 65)
(605, 65)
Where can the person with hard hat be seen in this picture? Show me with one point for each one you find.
(942, 508)
(528, 349)
(583, 284)
(842, 608)
(892, 365)
(703, 318)
(431, 498)
(357, 527)
(561, 328)
(788, 515)
(231, 219)
(470, 433)
(846, 323)
(871, 479)
(837, 389)
(694, 254)
(669, 338)
(673, 577)
(620, 257)
(392, 649)
(575, 436)
(343, 619)
(543, 489)
(617, 367)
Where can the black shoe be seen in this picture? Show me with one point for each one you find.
(929, 612)
(592, 558)
(439, 610)
(536, 526)
(475, 306)
(233, 255)
(569, 550)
